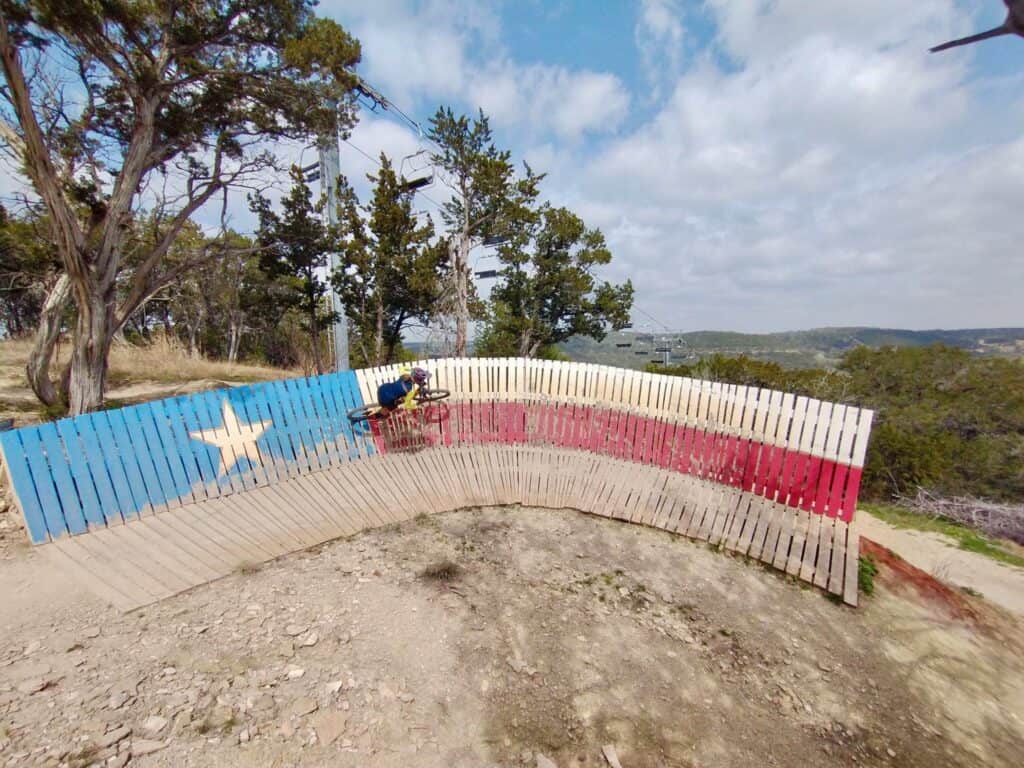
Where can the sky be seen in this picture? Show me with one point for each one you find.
(756, 165)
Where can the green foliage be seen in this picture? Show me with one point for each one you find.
(193, 91)
(28, 264)
(294, 247)
(866, 572)
(945, 420)
(548, 291)
(392, 275)
(482, 176)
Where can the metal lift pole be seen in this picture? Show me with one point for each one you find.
(330, 169)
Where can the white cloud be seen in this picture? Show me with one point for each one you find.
(659, 36)
(840, 175)
(540, 98)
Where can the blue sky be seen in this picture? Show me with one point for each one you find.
(756, 165)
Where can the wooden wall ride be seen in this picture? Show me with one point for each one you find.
(147, 501)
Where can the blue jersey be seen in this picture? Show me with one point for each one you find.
(389, 395)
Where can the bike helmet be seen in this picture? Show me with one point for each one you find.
(404, 371)
(421, 376)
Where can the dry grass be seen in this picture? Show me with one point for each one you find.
(163, 360)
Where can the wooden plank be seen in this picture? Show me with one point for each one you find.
(810, 553)
(824, 561)
(837, 570)
(801, 525)
(851, 582)
(77, 565)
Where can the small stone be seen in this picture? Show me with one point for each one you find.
(286, 649)
(169, 672)
(154, 724)
(329, 726)
(263, 703)
(91, 632)
(309, 640)
(544, 762)
(294, 630)
(118, 700)
(889, 751)
(202, 629)
(33, 685)
(142, 747)
(334, 687)
(304, 706)
(407, 698)
(111, 738)
(611, 756)
(346, 743)
(295, 673)
(32, 647)
(119, 760)
(243, 736)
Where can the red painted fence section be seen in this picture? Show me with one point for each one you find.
(786, 475)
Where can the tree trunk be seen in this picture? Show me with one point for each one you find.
(45, 341)
(234, 340)
(93, 333)
(461, 269)
(525, 343)
(378, 337)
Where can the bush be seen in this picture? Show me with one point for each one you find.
(944, 419)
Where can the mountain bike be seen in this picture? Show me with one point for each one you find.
(417, 399)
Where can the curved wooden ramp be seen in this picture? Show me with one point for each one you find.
(149, 501)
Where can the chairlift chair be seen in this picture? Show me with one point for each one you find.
(421, 173)
(623, 344)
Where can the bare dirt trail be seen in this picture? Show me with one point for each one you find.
(558, 634)
(940, 556)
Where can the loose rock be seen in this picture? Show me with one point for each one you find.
(304, 706)
(154, 724)
(112, 737)
(142, 747)
(329, 726)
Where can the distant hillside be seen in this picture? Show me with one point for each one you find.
(793, 349)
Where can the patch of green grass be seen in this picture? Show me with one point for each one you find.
(966, 538)
(866, 572)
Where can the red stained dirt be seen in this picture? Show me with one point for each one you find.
(897, 573)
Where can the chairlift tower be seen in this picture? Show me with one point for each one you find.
(330, 170)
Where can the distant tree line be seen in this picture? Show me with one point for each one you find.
(946, 420)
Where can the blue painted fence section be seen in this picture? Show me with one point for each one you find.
(91, 471)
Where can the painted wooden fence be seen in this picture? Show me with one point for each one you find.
(146, 501)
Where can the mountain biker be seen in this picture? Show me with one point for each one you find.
(390, 395)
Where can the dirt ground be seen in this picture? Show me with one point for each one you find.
(544, 637)
(940, 556)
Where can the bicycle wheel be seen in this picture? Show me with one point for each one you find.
(432, 395)
(365, 413)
